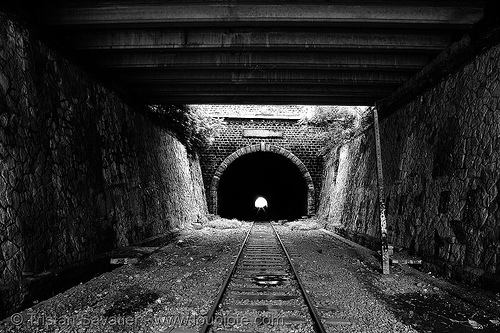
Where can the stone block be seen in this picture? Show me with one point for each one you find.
(261, 133)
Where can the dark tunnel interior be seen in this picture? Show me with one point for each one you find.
(262, 174)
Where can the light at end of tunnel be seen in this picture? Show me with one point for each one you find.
(260, 202)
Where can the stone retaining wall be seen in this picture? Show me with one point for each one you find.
(80, 171)
(442, 176)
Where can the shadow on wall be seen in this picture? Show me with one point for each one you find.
(262, 174)
(82, 171)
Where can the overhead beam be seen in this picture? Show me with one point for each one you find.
(249, 96)
(259, 60)
(286, 89)
(380, 14)
(218, 39)
(258, 99)
(261, 77)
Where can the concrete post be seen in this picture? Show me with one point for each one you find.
(381, 196)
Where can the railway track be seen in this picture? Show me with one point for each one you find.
(262, 291)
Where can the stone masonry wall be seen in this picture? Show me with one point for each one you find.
(302, 144)
(80, 171)
(442, 176)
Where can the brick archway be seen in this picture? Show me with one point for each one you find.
(262, 147)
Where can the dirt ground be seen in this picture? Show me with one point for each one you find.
(175, 285)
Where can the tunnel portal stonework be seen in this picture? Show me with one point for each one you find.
(442, 177)
(281, 136)
(262, 147)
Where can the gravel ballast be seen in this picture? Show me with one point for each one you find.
(174, 287)
(357, 298)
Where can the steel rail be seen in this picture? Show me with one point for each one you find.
(312, 310)
(209, 318)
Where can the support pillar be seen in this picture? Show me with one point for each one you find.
(381, 196)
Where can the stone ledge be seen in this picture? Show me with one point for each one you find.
(38, 287)
(10, 294)
(367, 255)
(358, 238)
(479, 298)
(474, 276)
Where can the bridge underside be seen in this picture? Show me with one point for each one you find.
(255, 52)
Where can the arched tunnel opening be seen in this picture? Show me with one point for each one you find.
(262, 174)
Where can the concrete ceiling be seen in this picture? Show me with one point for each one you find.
(256, 52)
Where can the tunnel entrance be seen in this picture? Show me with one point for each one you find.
(262, 174)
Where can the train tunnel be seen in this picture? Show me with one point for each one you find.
(262, 174)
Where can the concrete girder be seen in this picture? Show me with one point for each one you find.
(217, 39)
(263, 77)
(345, 90)
(251, 95)
(285, 87)
(379, 14)
(269, 99)
(261, 60)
